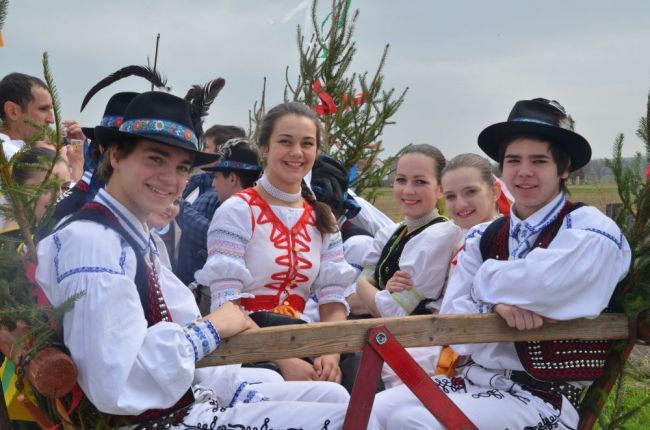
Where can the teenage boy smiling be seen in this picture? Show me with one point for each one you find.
(549, 260)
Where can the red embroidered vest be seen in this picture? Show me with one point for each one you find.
(563, 360)
(153, 304)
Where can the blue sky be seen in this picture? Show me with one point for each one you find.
(465, 62)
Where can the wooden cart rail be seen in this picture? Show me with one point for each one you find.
(304, 340)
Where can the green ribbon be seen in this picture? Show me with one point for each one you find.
(341, 24)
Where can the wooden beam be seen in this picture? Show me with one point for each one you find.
(350, 336)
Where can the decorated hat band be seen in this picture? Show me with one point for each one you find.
(113, 121)
(160, 126)
(229, 164)
(536, 121)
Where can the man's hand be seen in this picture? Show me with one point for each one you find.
(229, 320)
(74, 131)
(400, 281)
(520, 318)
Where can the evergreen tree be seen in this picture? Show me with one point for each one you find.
(632, 295)
(17, 304)
(354, 107)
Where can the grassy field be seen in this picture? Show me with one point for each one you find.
(598, 195)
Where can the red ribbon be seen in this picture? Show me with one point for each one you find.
(328, 107)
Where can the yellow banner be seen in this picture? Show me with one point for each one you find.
(16, 409)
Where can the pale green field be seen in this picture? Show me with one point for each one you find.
(597, 195)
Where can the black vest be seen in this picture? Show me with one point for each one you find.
(388, 262)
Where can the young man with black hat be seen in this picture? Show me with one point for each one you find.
(87, 187)
(549, 260)
(136, 333)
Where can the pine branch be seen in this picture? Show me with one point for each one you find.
(4, 5)
(256, 116)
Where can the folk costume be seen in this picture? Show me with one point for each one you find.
(271, 257)
(135, 333)
(424, 253)
(562, 262)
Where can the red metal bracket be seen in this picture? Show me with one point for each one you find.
(382, 346)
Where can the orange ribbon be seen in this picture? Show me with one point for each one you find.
(285, 310)
(447, 362)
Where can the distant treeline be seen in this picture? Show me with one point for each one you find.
(597, 171)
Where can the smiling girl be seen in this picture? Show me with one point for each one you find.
(406, 268)
(269, 245)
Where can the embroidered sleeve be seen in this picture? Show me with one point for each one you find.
(225, 270)
(573, 278)
(117, 355)
(335, 273)
(371, 258)
(203, 337)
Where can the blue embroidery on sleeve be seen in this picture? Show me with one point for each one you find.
(86, 269)
(619, 242)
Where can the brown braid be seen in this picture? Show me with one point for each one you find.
(325, 222)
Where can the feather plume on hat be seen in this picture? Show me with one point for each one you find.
(145, 72)
(201, 98)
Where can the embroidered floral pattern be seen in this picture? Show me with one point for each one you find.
(112, 121)
(159, 126)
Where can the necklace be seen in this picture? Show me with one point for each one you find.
(278, 193)
(413, 224)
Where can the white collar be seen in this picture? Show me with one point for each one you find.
(86, 177)
(538, 220)
(137, 230)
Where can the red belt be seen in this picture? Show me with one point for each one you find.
(266, 302)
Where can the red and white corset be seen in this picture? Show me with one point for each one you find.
(255, 258)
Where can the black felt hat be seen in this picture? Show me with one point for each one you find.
(159, 117)
(540, 117)
(113, 114)
(329, 182)
(236, 155)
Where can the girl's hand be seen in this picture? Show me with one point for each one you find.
(327, 368)
(296, 369)
(399, 282)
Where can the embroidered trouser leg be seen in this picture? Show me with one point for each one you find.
(269, 415)
(488, 399)
(304, 391)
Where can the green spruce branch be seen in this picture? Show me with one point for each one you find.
(4, 5)
(352, 134)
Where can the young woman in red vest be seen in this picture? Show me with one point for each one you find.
(270, 245)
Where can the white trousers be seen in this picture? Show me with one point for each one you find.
(266, 415)
(489, 399)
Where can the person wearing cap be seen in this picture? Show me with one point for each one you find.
(135, 332)
(86, 188)
(199, 202)
(237, 168)
(550, 259)
(329, 183)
